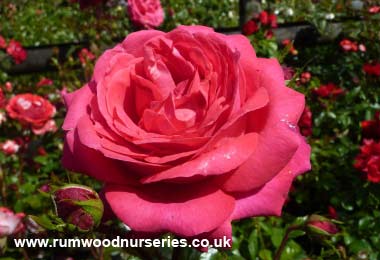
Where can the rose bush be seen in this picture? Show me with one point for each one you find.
(188, 130)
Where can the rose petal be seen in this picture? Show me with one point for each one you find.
(221, 160)
(270, 199)
(275, 148)
(76, 103)
(79, 158)
(184, 210)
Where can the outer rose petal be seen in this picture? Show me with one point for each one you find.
(275, 124)
(187, 210)
(79, 158)
(76, 103)
(269, 199)
(274, 150)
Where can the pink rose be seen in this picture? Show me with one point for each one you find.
(146, 13)
(10, 223)
(32, 110)
(188, 130)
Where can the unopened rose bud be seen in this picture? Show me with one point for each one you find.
(321, 226)
(78, 205)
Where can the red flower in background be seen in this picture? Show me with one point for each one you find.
(250, 27)
(3, 99)
(372, 68)
(45, 82)
(273, 20)
(17, 52)
(268, 19)
(269, 34)
(3, 43)
(374, 9)
(85, 55)
(348, 45)
(32, 109)
(368, 161)
(264, 18)
(332, 212)
(306, 122)
(328, 90)
(371, 128)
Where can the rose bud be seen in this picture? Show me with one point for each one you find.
(321, 226)
(10, 223)
(78, 205)
(305, 77)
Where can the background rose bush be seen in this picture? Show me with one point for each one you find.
(338, 125)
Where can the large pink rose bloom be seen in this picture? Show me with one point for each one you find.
(146, 13)
(188, 130)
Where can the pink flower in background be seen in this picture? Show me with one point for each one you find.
(85, 56)
(146, 13)
(45, 82)
(17, 52)
(10, 223)
(305, 77)
(188, 130)
(32, 109)
(368, 161)
(8, 86)
(9, 147)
